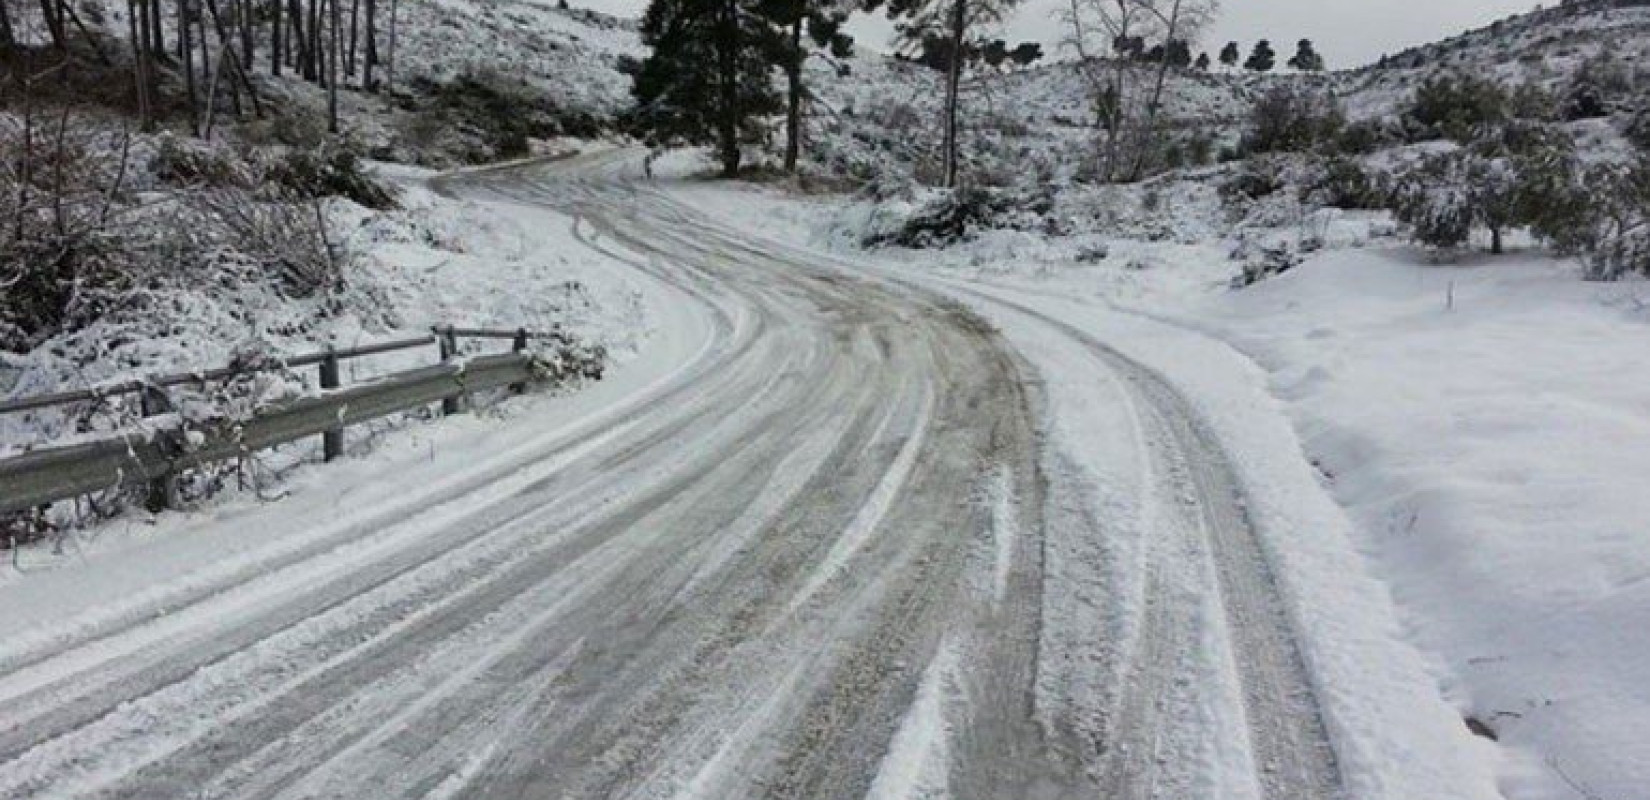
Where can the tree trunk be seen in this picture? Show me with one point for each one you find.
(793, 109)
(7, 38)
(728, 118)
(312, 67)
(1149, 133)
(389, 65)
(249, 39)
(1495, 241)
(332, 65)
(136, 22)
(157, 41)
(370, 58)
(297, 45)
(276, 34)
(953, 79)
(354, 36)
(52, 12)
(186, 56)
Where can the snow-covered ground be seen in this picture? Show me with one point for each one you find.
(436, 261)
(1481, 425)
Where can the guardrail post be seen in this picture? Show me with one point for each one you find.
(449, 350)
(161, 492)
(332, 442)
(519, 345)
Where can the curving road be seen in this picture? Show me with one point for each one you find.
(833, 555)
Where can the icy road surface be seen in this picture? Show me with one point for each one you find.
(826, 556)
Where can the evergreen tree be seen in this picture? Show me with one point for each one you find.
(806, 24)
(708, 79)
(956, 20)
(1306, 58)
(1202, 62)
(1230, 54)
(1179, 53)
(1263, 59)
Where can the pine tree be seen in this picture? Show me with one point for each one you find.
(1202, 62)
(1306, 58)
(1230, 54)
(1263, 59)
(806, 24)
(958, 20)
(708, 79)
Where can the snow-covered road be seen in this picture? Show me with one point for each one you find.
(827, 552)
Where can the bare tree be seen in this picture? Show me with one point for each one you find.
(1110, 38)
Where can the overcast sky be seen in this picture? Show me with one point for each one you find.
(1349, 33)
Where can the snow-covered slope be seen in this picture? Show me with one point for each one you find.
(1543, 48)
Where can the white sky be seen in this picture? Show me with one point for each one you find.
(1349, 33)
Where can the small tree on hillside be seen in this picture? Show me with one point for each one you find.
(1230, 54)
(1293, 119)
(1263, 59)
(708, 79)
(1617, 241)
(1453, 106)
(957, 21)
(1509, 175)
(1306, 58)
(1203, 63)
(805, 25)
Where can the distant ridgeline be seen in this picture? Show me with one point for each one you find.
(1568, 10)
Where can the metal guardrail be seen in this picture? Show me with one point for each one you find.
(155, 458)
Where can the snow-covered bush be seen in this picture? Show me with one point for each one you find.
(1453, 105)
(1613, 226)
(1262, 262)
(1255, 179)
(1621, 256)
(1597, 87)
(499, 114)
(1510, 175)
(59, 236)
(1292, 119)
(1438, 200)
(331, 170)
(956, 216)
(1341, 182)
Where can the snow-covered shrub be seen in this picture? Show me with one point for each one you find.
(1452, 105)
(59, 236)
(957, 216)
(1612, 231)
(1636, 129)
(283, 239)
(1509, 175)
(1620, 257)
(1341, 182)
(1257, 178)
(1262, 262)
(189, 162)
(1093, 253)
(1369, 135)
(1598, 86)
(1437, 200)
(501, 113)
(331, 170)
(1292, 119)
